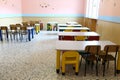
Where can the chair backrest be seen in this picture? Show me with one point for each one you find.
(37, 22)
(32, 23)
(93, 49)
(70, 55)
(81, 38)
(25, 24)
(111, 48)
(83, 31)
(13, 27)
(18, 25)
(4, 27)
(68, 30)
(23, 28)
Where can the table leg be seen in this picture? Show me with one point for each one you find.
(32, 33)
(1, 35)
(58, 61)
(118, 63)
(7, 34)
(29, 35)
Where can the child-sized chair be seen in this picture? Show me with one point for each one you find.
(70, 57)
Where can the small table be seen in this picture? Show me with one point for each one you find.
(30, 32)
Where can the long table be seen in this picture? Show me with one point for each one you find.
(67, 25)
(62, 34)
(76, 45)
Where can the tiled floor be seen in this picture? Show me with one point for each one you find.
(35, 60)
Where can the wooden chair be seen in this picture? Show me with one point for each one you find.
(25, 24)
(32, 23)
(18, 28)
(4, 31)
(13, 32)
(70, 57)
(109, 54)
(91, 54)
(23, 32)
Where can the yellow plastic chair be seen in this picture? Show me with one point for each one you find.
(70, 57)
(68, 37)
(80, 38)
(68, 30)
(37, 28)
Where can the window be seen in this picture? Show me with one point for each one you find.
(92, 9)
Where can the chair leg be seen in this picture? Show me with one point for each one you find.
(115, 68)
(80, 62)
(108, 65)
(76, 68)
(104, 63)
(63, 68)
(85, 67)
(92, 64)
(97, 68)
(11, 36)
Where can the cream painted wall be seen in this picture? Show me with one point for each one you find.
(109, 26)
(54, 19)
(109, 31)
(8, 21)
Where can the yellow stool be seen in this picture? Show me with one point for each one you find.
(70, 57)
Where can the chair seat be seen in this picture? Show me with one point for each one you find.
(107, 58)
(91, 57)
(83, 53)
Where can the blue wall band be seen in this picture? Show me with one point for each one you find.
(40, 15)
(110, 18)
(105, 18)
